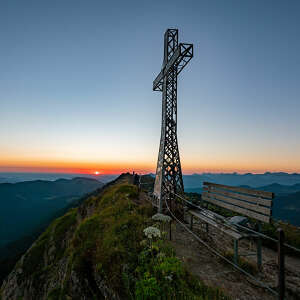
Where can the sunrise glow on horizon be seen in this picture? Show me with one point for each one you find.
(107, 170)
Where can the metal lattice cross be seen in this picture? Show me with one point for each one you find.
(168, 173)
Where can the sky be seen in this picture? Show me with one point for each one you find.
(76, 85)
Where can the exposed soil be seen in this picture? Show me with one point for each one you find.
(217, 273)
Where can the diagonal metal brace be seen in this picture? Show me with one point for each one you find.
(182, 55)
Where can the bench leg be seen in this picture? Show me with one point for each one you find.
(206, 225)
(236, 252)
(191, 224)
(258, 248)
(258, 252)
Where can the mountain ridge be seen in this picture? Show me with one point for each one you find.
(97, 251)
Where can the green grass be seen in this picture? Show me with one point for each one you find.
(107, 243)
(160, 272)
(110, 238)
(62, 225)
(34, 259)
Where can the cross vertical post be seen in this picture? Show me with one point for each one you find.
(168, 179)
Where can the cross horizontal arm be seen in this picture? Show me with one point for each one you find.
(182, 55)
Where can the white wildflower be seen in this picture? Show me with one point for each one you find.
(152, 232)
(162, 218)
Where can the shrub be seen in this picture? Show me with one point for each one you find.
(147, 288)
(161, 275)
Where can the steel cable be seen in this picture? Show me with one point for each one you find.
(220, 255)
(240, 226)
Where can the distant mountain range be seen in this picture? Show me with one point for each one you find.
(27, 205)
(286, 187)
(249, 179)
(287, 208)
(191, 181)
(275, 188)
(278, 189)
(11, 177)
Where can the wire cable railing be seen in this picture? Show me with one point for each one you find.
(228, 224)
(260, 283)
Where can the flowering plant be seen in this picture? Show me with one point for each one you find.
(152, 232)
(161, 217)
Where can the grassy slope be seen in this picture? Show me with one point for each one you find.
(102, 241)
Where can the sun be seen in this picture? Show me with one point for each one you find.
(96, 172)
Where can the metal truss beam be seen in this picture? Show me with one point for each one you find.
(179, 60)
(168, 173)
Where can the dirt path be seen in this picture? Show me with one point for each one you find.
(215, 272)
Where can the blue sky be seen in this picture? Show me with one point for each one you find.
(76, 84)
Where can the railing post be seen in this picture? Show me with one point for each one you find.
(170, 230)
(281, 275)
(191, 220)
(184, 213)
(139, 184)
(236, 252)
(258, 248)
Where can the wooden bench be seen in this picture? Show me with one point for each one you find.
(257, 205)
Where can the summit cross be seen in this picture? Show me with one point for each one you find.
(168, 179)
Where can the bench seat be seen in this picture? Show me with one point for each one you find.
(200, 214)
(254, 204)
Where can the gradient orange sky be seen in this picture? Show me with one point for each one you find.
(76, 86)
(211, 163)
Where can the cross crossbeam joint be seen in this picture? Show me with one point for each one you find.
(181, 57)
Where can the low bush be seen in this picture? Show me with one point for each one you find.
(161, 275)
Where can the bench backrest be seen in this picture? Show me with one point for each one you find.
(252, 203)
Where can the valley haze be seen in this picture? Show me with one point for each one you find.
(190, 180)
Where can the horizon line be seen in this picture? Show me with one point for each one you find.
(92, 173)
